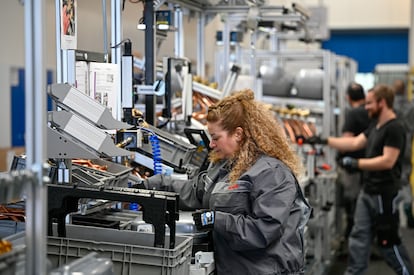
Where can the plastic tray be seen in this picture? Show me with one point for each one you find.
(115, 175)
(130, 252)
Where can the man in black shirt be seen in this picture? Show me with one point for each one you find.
(376, 214)
(356, 121)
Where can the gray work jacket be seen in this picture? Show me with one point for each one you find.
(259, 219)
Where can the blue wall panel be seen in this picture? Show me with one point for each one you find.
(18, 111)
(370, 47)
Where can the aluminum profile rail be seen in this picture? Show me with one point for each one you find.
(35, 106)
(275, 13)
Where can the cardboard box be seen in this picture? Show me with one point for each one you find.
(6, 157)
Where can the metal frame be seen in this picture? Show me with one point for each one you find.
(35, 93)
(338, 72)
(233, 14)
(150, 30)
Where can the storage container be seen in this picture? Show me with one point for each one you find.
(131, 252)
(12, 263)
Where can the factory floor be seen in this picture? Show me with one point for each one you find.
(377, 266)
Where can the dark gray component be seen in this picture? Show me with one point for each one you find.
(70, 98)
(72, 137)
(309, 83)
(174, 151)
(276, 81)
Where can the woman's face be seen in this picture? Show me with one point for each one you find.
(222, 143)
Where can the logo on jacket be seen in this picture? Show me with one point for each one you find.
(233, 186)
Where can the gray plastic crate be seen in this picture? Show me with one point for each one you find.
(131, 252)
(12, 262)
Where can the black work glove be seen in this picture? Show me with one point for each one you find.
(300, 140)
(316, 140)
(204, 219)
(349, 163)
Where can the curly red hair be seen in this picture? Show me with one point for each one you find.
(262, 133)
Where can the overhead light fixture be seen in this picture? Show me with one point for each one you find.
(162, 27)
(141, 26)
(162, 21)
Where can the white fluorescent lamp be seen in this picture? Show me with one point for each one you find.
(163, 27)
(141, 26)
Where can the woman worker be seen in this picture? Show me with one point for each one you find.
(256, 209)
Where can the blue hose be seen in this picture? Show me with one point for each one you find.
(156, 153)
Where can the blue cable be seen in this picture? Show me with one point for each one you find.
(133, 206)
(156, 150)
(156, 153)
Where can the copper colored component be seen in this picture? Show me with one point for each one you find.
(11, 213)
(307, 130)
(5, 246)
(289, 131)
(90, 164)
(295, 126)
(201, 104)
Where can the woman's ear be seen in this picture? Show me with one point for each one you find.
(239, 133)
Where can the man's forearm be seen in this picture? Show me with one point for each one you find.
(375, 164)
(342, 143)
